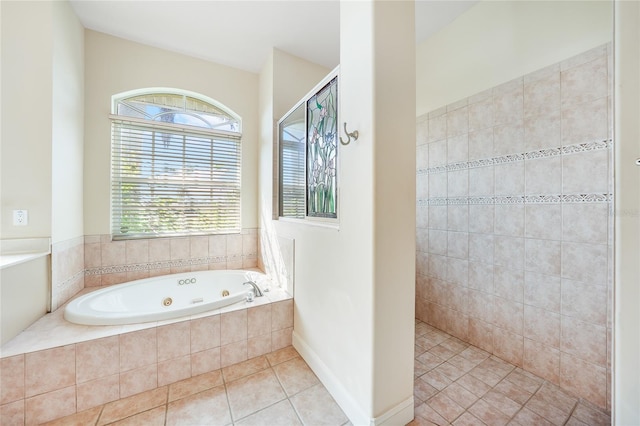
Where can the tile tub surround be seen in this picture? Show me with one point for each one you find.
(274, 389)
(108, 262)
(514, 224)
(67, 270)
(55, 368)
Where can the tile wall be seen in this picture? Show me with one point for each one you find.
(95, 260)
(109, 262)
(514, 222)
(44, 385)
(67, 270)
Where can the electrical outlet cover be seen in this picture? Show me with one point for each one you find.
(20, 217)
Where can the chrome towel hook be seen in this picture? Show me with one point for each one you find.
(353, 135)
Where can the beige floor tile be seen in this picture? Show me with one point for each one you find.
(253, 393)
(555, 396)
(316, 407)
(454, 345)
(425, 342)
(467, 419)
(442, 352)
(205, 408)
(488, 414)
(129, 406)
(87, 417)
(460, 395)
(513, 391)
(436, 379)
(485, 375)
(244, 369)
(423, 411)
(450, 371)
(280, 414)
(463, 363)
(526, 382)
(418, 369)
(526, 417)
(295, 376)
(418, 350)
(446, 407)
(502, 402)
(153, 417)
(282, 355)
(591, 415)
(474, 354)
(430, 360)
(195, 384)
(474, 385)
(423, 390)
(573, 421)
(546, 410)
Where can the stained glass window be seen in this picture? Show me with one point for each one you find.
(322, 151)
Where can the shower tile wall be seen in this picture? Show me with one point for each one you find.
(111, 262)
(514, 232)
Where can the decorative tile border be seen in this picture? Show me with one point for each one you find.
(532, 155)
(517, 199)
(167, 264)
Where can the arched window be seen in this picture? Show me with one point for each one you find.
(175, 165)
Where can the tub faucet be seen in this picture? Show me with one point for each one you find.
(256, 289)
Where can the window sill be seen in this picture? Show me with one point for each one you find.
(319, 223)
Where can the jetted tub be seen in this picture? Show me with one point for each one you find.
(163, 297)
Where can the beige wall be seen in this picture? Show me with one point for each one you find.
(496, 41)
(42, 119)
(353, 316)
(67, 124)
(114, 65)
(626, 407)
(42, 134)
(27, 29)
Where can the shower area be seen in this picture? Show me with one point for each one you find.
(514, 229)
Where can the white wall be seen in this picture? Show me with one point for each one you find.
(114, 65)
(26, 117)
(496, 41)
(67, 124)
(626, 405)
(353, 316)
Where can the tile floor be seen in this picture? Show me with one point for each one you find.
(460, 384)
(276, 389)
(455, 384)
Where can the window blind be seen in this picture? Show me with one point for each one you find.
(292, 178)
(170, 180)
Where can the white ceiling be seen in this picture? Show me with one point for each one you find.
(241, 33)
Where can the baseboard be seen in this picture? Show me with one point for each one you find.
(401, 414)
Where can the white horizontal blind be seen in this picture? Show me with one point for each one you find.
(292, 179)
(170, 180)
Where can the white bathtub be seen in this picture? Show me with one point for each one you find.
(160, 298)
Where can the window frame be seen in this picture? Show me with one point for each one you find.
(184, 131)
(330, 222)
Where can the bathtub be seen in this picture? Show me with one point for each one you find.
(161, 298)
